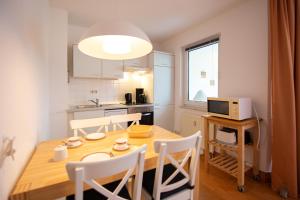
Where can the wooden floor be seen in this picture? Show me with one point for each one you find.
(217, 185)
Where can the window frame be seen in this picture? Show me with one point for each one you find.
(199, 105)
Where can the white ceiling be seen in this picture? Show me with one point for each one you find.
(160, 19)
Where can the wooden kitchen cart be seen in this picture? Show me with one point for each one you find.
(222, 160)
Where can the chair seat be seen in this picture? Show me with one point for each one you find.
(94, 195)
(148, 181)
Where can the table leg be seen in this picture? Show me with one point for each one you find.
(241, 159)
(206, 139)
(255, 152)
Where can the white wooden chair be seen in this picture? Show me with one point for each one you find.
(172, 181)
(116, 120)
(88, 172)
(81, 124)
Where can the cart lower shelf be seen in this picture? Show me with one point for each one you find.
(227, 164)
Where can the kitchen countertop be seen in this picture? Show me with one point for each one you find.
(107, 107)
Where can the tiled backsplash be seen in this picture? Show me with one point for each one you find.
(82, 90)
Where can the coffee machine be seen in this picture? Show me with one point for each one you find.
(140, 97)
(128, 98)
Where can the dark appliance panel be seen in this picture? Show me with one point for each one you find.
(147, 114)
(147, 118)
(128, 98)
(140, 96)
(219, 107)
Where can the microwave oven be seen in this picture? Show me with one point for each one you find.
(231, 108)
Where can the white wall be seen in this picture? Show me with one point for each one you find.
(243, 59)
(58, 72)
(23, 82)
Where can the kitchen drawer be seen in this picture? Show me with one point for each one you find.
(89, 114)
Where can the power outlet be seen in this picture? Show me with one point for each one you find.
(93, 92)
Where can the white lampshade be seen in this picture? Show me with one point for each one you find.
(115, 41)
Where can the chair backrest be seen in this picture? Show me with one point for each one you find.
(81, 124)
(165, 148)
(117, 119)
(87, 172)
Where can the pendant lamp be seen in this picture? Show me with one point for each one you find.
(115, 41)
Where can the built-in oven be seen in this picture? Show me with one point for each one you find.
(147, 114)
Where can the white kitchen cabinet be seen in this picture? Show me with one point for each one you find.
(164, 116)
(89, 114)
(163, 85)
(141, 62)
(158, 58)
(112, 69)
(85, 66)
(163, 89)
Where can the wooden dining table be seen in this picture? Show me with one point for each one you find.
(43, 178)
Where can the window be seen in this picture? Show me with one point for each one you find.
(201, 72)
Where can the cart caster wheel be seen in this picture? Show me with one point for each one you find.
(241, 188)
(256, 177)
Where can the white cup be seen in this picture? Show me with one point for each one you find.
(121, 141)
(60, 153)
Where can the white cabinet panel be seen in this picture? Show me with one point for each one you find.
(163, 85)
(163, 89)
(112, 69)
(89, 114)
(164, 116)
(84, 65)
(141, 62)
(162, 59)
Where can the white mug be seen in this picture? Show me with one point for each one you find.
(60, 153)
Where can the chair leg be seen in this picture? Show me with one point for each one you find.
(145, 195)
(192, 194)
(130, 185)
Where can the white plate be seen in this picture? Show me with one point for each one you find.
(99, 156)
(74, 144)
(73, 139)
(95, 136)
(118, 147)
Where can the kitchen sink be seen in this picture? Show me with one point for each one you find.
(87, 106)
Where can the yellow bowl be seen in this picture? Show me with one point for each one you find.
(139, 131)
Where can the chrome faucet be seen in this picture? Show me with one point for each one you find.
(96, 102)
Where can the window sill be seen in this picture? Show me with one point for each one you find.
(197, 108)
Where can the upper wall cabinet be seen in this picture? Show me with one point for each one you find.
(85, 66)
(162, 59)
(112, 69)
(141, 62)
